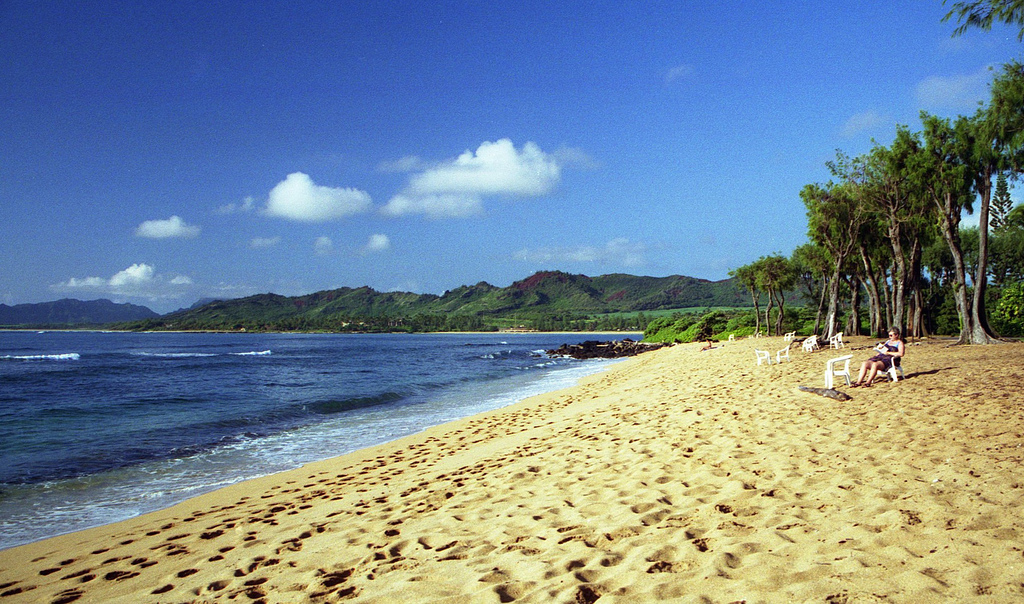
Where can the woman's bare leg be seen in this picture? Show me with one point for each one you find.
(876, 366)
(863, 370)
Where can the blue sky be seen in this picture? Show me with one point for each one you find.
(162, 152)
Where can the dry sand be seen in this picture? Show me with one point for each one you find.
(679, 475)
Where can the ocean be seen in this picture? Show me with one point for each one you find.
(97, 427)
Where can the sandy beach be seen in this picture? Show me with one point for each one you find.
(678, 475)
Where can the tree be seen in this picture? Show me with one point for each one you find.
(810, 263)
(1001, 203)
(834, 217)
(890, 175)
(747, 276)
(1010, 311)
(775, 275)
(947, 181)
(983, 13)
(1006, 263)
(980, 150)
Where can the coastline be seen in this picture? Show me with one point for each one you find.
(32, 511)
(676, 474)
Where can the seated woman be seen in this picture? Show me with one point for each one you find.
(888, 353)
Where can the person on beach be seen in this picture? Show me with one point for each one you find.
(707, 346)
(888, 353)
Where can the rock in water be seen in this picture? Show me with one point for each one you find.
(828, 392)
(592, 349)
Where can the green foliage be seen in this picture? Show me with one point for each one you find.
(692, 328)
(1001, 203)
(546, 301)
(946, 318)
(1008, 316)
(667, 329)
(983, 13)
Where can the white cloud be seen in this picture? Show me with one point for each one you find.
(677, 73)
(261, 243)
(377, 243)
(298, 198)
(245, 206)
(84, 283)
(323, 246)
(138, 280)
(435, 206)
(166, 229)
(410, 163)
(133, 276)
(577, 158)
(618, 252)
(456, 188)
(954, 92)
(860, 122)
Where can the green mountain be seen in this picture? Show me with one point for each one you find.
(543, 300)
(69, 312)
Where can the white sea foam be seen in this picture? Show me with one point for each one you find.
(68, 356)
(175, 355)
(261, 353)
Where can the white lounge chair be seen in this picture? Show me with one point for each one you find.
(763, 355)
(836, 341)
(810, 344)
(782, 354)
(833, 369)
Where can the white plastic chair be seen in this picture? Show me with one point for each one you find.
(836, 341)
(789, 336)
(732, 337)
(832, 369)
(763, 355)
(893, 371)
(810, 344)
(782, 354)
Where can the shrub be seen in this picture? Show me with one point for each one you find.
(1008, 317)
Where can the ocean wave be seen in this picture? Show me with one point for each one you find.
(349, 404)
(68, 356)
(200, 355)
(174, 355)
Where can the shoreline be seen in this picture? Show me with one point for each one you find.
(153, 485)
(677, 474)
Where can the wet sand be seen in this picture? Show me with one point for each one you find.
(679, 475)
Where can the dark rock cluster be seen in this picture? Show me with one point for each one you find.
(592, 349)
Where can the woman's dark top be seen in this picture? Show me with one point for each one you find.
(887, 360)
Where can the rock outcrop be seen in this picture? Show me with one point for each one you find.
(593, 349)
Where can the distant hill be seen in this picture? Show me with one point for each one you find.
(69, 312)
(550, 300)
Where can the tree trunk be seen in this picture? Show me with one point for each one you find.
(768, 312)
(950, 232)
(920, 328)
(888, 288)
(874, 301)
(821, 304)
(899, 279)
(782, 314)
(831, 320)
(916, 318)
(982, 332)
(757, 312)
(853, 322)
